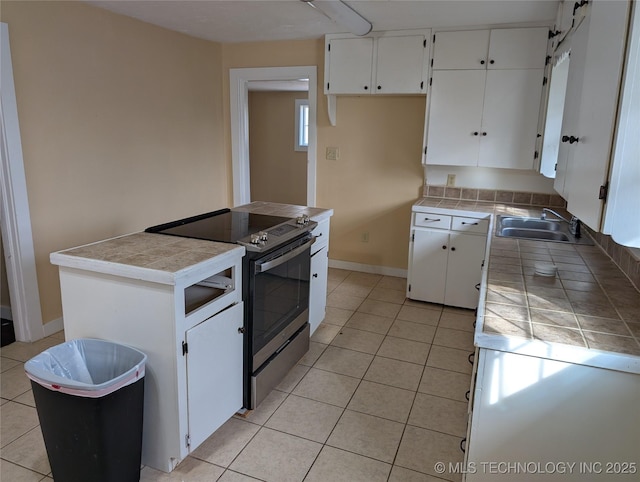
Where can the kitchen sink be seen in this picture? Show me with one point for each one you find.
(531, 223)
(537, 229)
(534, 234)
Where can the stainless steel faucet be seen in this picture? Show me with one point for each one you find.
(574, 222)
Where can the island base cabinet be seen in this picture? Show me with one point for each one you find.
(538, 419)
(318, 288)
(193, 379)
(214, 372)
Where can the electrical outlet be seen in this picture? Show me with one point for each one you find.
(451, 180)
(333, 154)
(365, 237)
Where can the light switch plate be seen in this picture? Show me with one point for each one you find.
(332, 154)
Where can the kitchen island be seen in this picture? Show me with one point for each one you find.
(161, 294)
(556, 374)
(179, 300)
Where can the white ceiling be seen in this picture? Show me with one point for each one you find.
(262, 20)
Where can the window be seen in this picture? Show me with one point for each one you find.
(302, 125)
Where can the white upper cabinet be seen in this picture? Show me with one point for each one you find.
(509, 48)
(455, 117)
(597, 55)
(385, 63)
(462, 50)
(510, 118)
(518, 48)
(349, 63)
(482, 113)
(401, 65)
(571, 113)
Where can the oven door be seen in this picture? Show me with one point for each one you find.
(279, 297)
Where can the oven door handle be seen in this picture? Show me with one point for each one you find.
(261, 267)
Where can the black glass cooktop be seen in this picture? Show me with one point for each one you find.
(223, 226)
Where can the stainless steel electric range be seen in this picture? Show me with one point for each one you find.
(275, 288)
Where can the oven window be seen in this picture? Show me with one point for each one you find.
(280, 295)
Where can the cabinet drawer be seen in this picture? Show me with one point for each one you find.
(470, 225)
(321, 233)
(430, 220)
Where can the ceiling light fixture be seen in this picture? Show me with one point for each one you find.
(342, 14)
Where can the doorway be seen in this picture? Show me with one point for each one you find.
(278, 141)
(17, 238)
(240, 80)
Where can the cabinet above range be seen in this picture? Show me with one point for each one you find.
(392, 62)
(382, 63)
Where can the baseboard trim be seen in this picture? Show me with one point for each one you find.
(54, 326)
(5, 312)
(368, 268)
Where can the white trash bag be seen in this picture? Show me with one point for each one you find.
(87, 367)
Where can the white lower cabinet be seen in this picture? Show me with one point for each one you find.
(445, 261)
(319, 274)
(318, 288)
(214, 372)
(190, 334)
(538, 419)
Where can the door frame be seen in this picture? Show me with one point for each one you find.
(17, 236)
(239, 99)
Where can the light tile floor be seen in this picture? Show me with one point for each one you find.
(380, 396)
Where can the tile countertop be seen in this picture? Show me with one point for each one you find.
(588, 314)
(150, 257)
(286, 210)
(168, 259)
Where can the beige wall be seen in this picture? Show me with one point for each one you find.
(121, 126)
(278, 171)
(377, 178)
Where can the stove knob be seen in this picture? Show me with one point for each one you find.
(255, 239)
(263, 235)
(304, 219)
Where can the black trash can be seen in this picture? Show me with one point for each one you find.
(89, 397)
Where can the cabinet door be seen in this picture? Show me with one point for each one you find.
(510, 118)
(518, 48)
(455, 117)
(214, 372)
(428, 265)
(571, 113)
(464, 270)
(588, 167)
(318, 288)
(463, 50)
(350, 65)
(400, 65)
